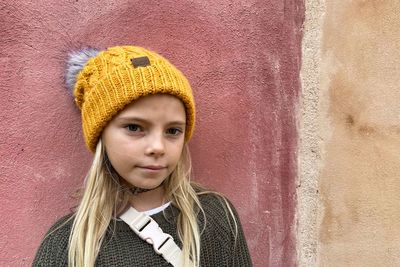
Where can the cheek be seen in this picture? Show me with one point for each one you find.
(176, 153)
(116, 145)
(119, 157)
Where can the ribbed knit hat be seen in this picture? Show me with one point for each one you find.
(105, 82)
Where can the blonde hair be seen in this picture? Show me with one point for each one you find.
(104, 197)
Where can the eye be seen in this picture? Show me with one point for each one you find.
(174, 131)
(133, 128)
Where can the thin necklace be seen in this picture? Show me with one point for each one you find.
(137, 190)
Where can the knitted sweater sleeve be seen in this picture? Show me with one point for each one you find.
(240, 251)
(222, 221)
(53, 251)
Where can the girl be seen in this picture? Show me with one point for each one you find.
(139, 206)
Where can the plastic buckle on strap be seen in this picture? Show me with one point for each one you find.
(138, 223)
(169, 248)
(148, 230)
(153, 234)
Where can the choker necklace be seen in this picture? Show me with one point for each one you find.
(137, 190)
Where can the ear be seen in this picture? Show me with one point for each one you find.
(75, 63)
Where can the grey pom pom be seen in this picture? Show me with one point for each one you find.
(75, 63)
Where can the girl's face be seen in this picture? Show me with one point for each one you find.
(144, 141)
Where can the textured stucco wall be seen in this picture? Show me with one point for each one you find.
(310, 145)
(349, 210)
(243, 60)
(360, 180)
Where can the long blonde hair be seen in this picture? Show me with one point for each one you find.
(103, 198)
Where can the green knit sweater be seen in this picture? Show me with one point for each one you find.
(125, 248)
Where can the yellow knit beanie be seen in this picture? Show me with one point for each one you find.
(105, 82)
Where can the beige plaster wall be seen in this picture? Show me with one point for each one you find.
(310, 149)
(349, 204)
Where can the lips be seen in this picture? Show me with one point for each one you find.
(153, 167)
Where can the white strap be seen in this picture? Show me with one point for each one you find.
(149, 230)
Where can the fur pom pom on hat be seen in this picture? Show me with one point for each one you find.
(104, 82)
(75, 64)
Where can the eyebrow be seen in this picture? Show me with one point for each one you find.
(130, 119)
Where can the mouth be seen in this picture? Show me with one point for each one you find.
(153, 167)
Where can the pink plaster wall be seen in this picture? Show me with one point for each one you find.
(243, 61)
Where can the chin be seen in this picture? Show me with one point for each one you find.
(147, 184)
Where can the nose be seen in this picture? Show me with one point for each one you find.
(156, 145)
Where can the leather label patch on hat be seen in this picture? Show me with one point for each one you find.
(140, 62)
